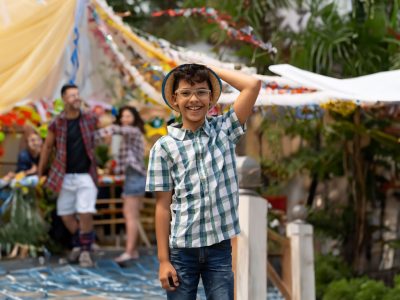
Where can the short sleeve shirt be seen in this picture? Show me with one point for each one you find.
(200, 168)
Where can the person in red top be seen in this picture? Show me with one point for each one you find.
(73, 171)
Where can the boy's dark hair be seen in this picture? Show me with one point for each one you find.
(67, 86)
(192, 73)
(138, 122)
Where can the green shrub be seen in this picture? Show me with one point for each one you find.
(394, 294)
(343, 289)
(101, 154)
(371, 290)
(329, 268)
(358, 289)
(397, 281)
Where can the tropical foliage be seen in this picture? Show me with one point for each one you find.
(345, 140)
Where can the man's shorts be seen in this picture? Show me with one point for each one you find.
(78, 195)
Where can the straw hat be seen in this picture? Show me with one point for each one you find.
(169, 80)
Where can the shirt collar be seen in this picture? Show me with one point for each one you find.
(63, 115)
(177, 132)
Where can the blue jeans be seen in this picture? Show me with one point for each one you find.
(214, 265)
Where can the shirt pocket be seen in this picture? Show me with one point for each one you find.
(215, 161)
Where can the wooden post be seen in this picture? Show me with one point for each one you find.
(251, 277)
(302, 264)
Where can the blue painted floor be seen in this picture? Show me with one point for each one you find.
(27, 279)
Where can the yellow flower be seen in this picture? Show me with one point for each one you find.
(342, 107)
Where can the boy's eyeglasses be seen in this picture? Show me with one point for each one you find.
(188, 93)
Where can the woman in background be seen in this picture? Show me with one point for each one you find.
(28, 158)
(27, 162)
(130, 162)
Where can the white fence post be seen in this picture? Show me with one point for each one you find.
(251, 260)
(302, 260)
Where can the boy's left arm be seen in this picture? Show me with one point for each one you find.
(249, 88)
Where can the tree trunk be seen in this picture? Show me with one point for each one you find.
(359, 195)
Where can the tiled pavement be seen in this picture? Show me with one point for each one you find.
(28, 280)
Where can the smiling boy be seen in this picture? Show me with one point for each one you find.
(192, 170)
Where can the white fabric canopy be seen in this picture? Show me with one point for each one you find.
(268, 99)
(383, 86)
(99, 80)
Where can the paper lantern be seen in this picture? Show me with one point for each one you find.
(58, 105)
(6, 120)
(2, 136)
(43, 131)
(20, 121)
(26, 114)
(98, 110)
(151, 131)
(12, 115)
(114, 111)
(36, 118)
(157, 122)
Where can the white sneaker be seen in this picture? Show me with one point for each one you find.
(85, 260)
(73, 256)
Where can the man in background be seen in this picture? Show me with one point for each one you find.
(73, 172)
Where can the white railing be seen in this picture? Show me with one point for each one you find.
(250, 262)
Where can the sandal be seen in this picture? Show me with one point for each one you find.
(125, 257)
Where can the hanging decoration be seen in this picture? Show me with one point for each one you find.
(153, 73)
(273, 88)
(42, 130)
(106, 13)
(58, 106)
(155, 127)
(244, 34)
(140, 82)
(308, 112)
(20, 116)
(74, 56)
(80, 8)
(2, 138)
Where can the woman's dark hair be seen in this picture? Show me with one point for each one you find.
(192, 73)
(138, 121)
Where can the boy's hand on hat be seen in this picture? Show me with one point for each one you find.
(168, 276)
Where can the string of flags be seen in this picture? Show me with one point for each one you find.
(245, 34)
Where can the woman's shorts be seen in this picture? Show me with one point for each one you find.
(135, 183)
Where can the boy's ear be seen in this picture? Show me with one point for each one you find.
(174, 100)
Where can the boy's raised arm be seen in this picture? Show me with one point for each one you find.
(249, 87)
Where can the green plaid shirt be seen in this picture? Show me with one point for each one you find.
(200, 168)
